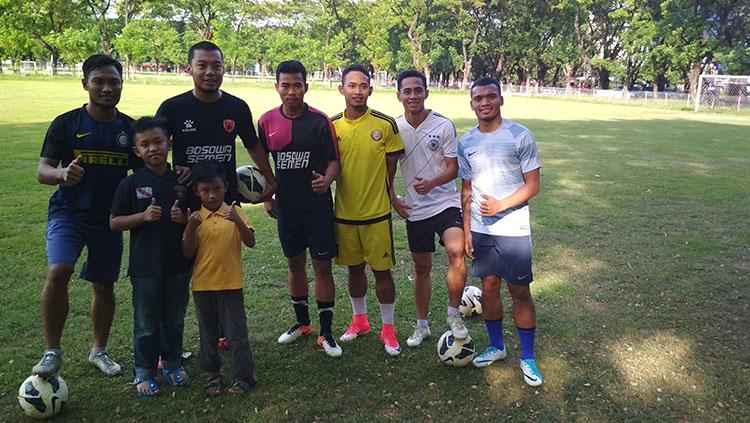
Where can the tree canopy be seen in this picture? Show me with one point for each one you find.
(636, 44)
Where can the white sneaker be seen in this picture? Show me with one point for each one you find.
(531, 374)
(329, 345)
(457, 326)
(49, 365)
(489, 356)
(419, 335)
(104, 363)
(294, 332)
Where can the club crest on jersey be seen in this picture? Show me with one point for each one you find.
(122, 139)
(229, 125)
(433, 145)
(189, 126)
(144, 193)
(376, 135)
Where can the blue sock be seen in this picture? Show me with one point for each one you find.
(526, 338)
(495, 331)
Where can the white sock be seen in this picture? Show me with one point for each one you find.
(98, 350)
(359, 305)
(423, 324)
(387, 313)
(452, 311)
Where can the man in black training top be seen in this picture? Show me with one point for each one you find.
(205, 122)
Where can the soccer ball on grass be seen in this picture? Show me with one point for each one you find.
(42, 398)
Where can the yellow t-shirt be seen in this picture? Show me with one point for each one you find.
(218, 266)
(362, 184)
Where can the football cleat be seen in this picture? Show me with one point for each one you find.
(294, 333)
(489, 356)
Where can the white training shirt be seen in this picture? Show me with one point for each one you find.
(425, 148)
(495, 163)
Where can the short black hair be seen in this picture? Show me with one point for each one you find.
(291, 66)
(99, 61)
(486, 80)
(145, 123)
(203, 45)
(355, 68)
(207, 171)
(411, 73)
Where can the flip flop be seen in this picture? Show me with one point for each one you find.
(213, 385)
(175, 377)
(152, 386)
(240, 387)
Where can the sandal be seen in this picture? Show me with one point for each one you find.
(152, 386)
(176, 378)
(241, 386)
(213, 385)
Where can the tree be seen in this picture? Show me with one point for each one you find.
(149, 39)
(43, 21)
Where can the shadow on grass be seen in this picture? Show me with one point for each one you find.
(641, 251)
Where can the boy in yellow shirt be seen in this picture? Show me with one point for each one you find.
(213, 236)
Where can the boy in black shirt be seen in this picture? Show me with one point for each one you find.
(159, 272)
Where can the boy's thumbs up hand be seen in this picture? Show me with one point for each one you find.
(176, 214)
(152, 212)
(231, 213)
(194, 218)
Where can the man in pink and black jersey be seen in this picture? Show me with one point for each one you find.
(304, 147)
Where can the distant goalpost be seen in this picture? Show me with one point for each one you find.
(723, 92)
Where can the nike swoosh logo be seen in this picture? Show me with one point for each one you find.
(470, 154)
(271, 134)
(323, 253)
(524, 276)
(79, 136)
(533, 379)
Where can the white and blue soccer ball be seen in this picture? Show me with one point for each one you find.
(455, 352)
(471, 301)
(42, 398)
(250, 183)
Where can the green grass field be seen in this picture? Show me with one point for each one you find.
(642, 265)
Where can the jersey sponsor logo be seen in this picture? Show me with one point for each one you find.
(105, 158)
(122, 139)
(229, 125)
(144, 193)
(189, 126)
(292, 160)
(82, 135)
(199, 153)
(376, 135)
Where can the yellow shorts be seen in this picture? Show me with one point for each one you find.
(372, 243)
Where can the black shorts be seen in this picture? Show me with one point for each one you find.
(507, 257)
(421, 233)
(312, 229)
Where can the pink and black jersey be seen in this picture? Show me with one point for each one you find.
(299, 146)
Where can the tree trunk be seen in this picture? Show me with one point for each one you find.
(427, 72)
(55, 61)
(604, 79)
(695, 72)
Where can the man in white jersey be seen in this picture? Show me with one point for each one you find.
(432, 205)
(499, 166)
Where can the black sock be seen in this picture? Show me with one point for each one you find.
(300, 309)
(325, 314)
